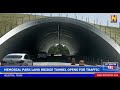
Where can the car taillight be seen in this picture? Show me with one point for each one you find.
(20, 61)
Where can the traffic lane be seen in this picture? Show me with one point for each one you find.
(53, 64)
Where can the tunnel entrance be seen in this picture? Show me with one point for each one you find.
(58, 53)
(81, 39)
(58, 50)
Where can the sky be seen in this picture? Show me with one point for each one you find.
(98, 18)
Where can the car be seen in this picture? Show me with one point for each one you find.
(42, 55)
(17, 59)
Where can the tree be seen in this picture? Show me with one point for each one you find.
(59, 49)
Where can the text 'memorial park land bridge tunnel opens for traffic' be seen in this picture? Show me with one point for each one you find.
(81, 38)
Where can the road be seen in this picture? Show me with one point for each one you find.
(53, 64)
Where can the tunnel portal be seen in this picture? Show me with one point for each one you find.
(81, 38)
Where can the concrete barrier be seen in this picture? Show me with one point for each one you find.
(73, 61)
(81, 63)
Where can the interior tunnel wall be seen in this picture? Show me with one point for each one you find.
(46, 44)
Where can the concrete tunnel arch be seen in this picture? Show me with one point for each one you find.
(86, 39)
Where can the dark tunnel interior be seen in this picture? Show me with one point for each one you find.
(81, 42)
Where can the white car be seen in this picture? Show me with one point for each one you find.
(17, 59)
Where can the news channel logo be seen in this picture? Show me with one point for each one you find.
(113, 18)
(110, 66)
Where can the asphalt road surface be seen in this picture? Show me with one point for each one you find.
(53, 64)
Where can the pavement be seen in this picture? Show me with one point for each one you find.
(53, 64)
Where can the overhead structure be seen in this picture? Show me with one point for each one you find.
(81, 38)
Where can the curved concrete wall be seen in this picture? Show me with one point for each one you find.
(82, 39)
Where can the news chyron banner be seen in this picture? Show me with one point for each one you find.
(106, 67)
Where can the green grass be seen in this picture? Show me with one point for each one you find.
(9, 21)
(113, 32)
